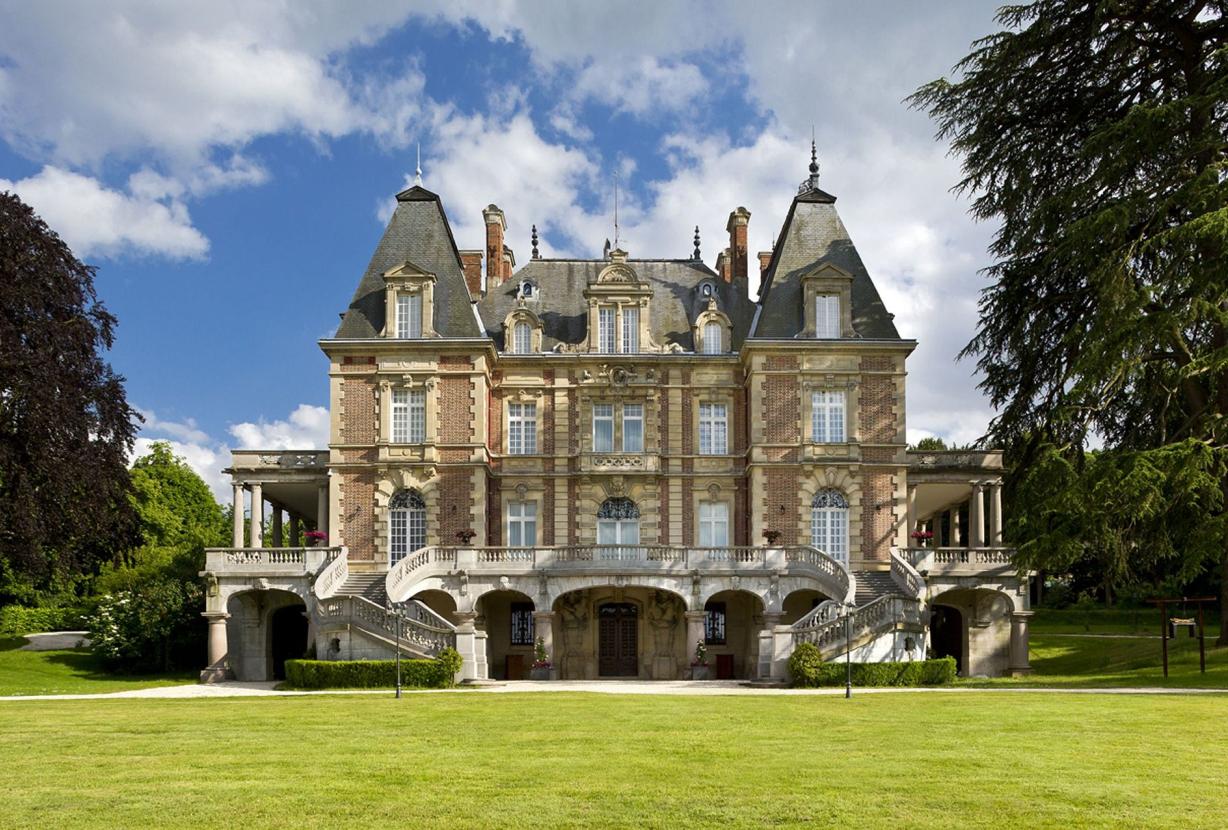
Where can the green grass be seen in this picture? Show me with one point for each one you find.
(1114, 620)
(576, 760)
(68, 671)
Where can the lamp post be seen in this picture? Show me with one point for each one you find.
(848, 656)
(391, 609)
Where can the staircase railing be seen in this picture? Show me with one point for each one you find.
(425, 632)
(875, 617)
(824, 611)
(906, 577)
(332, 576)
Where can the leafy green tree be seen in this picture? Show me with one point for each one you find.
(929, 444)
(174, 504)
(1096, 135)
(66, 428)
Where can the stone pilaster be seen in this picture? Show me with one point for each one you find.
(256, 525)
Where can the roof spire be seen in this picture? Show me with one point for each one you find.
(418, 168)
(812, 181)
(615, 208)
(695, 253)
(535, 254)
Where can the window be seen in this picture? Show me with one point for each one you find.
(713, 335)
(526, 290)
(631, 330)
(713, 524)
(829, 524)
(406, 524)
(521, 524)
(522, 624)
(706, 289)
(713, 429)
(605, 329)
(603, 427)
(522, 338)
(714, 623)
(522, 428)
(409, 316)
(633, 427)
(827, 417)
(618, 523)
(408, 416)
(826, 315)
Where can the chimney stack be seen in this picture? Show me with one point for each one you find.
(765, 259)
(722, 264)
(737, 227)
(496, 226)
(471, 261)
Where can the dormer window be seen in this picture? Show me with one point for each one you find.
(409, 316)
(522, 338)
(706, 290)
(522, 332)
(828, 292)
(713, 337)
(409, 293)
(527, 291)
(827, 316)
(631, 330)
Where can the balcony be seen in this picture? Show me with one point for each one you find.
(249, 562)
(962, 561)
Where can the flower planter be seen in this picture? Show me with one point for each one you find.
(539, 674)
(701, 673)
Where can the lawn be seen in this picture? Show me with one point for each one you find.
(576, 760)
(68, 671)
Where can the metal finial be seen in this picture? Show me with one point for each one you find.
(695, 253)
(814, 158)
(535, 254)
(418, 168)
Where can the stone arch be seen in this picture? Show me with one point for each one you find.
(249, 630)
(733, 620)
(985, 628)
(843, 480)
(440, 601)
(420, 478)
(522, 316)
(800, 602)
(506, 615)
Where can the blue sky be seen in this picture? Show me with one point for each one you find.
(228, 166)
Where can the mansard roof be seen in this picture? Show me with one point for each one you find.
(418, 232)
(676, 299)
(813, 236)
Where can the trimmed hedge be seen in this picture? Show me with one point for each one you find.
(16, 620)
(373, 674)
(915, 673)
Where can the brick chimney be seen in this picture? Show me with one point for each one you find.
(737, 227)
(471, 261)
(722, 264)
(496, 226)
(765, 259)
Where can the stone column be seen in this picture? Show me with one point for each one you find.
(995, 514)
(543, 629)
(1019, 663)
(976, 517)
(955, 534)
(322, 509)
(279, 540)
(256, 539)
(771, 619)
(912, 515)
(237, 539)
(940, 533)
(296, 538)
(694, 633)
(217, 670)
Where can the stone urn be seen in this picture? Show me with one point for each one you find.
(701, 673)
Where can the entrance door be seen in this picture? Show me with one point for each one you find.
(947, 634)
(617, 636)
(289, 637)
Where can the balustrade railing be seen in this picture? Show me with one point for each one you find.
(906, 577)
(948, 559)
(293, 561)
(333, 576)
(420, 627)
(832, 637)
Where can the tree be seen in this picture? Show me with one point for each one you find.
(1095, 134)
(66, 428)
(929, 444)
(173, 503)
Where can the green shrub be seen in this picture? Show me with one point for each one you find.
(155, 626)
(373, 674)
(805, 663)
(915, 673)
(16, 620)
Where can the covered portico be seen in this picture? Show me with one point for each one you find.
(288, 487)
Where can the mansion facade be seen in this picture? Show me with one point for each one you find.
(613, 460)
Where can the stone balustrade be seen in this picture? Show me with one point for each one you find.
(269, 561)
(954, 561)
(832, 634)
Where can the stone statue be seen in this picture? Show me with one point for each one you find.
(575, 624)
(664, 620)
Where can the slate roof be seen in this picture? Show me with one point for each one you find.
(813, 235)
(419, 232)
(561, 306)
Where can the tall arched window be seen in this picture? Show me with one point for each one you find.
(713, 335)
(522, 338)
(829, 524)
(618, 522)
(406, 524)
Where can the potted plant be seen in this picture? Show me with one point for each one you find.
(465, 536)
(315, 539)
(923, 537)
(699, 663)
(772, 537)
(540, 669)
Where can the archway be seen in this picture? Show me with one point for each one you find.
(441, 602)
(732, 622)
(287, 637)
(947, 634)
(798, 604)
(507, 618)
(618, 639)
(621, 631)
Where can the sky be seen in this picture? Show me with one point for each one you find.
(229, 167)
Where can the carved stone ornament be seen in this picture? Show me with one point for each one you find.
(521, 491)
(714, 490)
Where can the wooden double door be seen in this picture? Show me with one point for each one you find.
(618, 640)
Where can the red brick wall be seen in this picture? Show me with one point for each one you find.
(877, 405)
(782, 409)
(688, 430)
(359, 424)
(455, 503)
(455, 410)
(358, 514)
(548, 508)
(876, 525)
(471, 261)
(782, 489)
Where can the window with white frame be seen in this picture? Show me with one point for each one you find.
(713, 429)
(521, 524)
(713, 335)
(522, 428)
(631, 330)
(605, 329)
(713, 524)
(522, 338)
(633, 427)
(827, 417)
(406, 524)
(827, 315)
(829, 524)
(408, 416)
(409, 316)
(618, 523)
(603, 427)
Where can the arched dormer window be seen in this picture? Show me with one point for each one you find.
(713, 338)
(713, 332)
(528, 291)
(406, 524)
(522, 338)
(618, 522)
(829, 524)
(522, 332)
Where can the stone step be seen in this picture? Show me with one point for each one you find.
(873, 584)
(369, 585)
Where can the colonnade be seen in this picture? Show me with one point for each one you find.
(278, 517)
(985, 502)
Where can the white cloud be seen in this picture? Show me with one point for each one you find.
(206, 460)
(643, 86)
(97, 221)
(305, 428)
